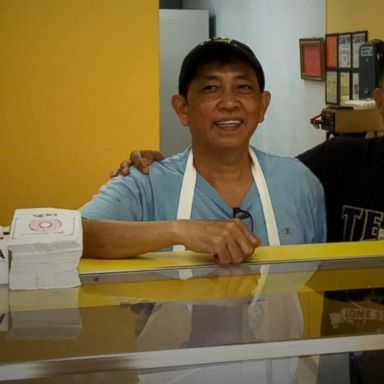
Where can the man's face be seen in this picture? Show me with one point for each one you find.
(223, 107)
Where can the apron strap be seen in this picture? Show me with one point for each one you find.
(186, 195)
(265, 198)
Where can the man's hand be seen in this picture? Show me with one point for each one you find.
(228, 240)
(140, 159)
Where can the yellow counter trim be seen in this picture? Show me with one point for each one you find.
(265, 254)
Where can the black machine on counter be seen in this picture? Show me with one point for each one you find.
(371, 65)
(344, 120)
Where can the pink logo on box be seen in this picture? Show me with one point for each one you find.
(45, 225)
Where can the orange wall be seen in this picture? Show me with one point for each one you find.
(79, 90)
(356, 15)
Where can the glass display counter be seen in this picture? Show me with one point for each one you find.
(304, 321)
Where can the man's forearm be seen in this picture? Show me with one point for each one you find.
(111, 239)
(229, 241)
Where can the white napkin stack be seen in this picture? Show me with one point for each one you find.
(45, 247)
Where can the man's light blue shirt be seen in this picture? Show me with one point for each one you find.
(297, 198)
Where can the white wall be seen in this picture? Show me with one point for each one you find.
(272, 28)
(180, 31)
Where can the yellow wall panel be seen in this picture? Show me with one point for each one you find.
(356, 15)
(79, 87)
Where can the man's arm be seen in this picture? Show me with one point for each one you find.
(228, 240)
(114, 239)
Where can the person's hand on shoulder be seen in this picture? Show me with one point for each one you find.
(140, 159)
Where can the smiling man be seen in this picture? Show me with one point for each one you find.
(219, 196)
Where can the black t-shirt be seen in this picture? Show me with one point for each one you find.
(351, 171)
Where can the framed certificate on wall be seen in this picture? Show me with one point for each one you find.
(355, 86)
(331, 52)
(358, 38)
(344, 86)
(345, 50)
(312, 58)
(332, 87)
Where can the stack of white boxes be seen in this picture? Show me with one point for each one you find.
(45, 247)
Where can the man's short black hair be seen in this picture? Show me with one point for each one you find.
(221, 51)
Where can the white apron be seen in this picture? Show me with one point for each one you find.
(188, 190)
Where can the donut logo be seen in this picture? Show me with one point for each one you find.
(45, 225)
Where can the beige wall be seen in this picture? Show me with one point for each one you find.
(356, 15)
(79, 90)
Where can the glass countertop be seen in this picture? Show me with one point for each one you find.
(173, 324)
